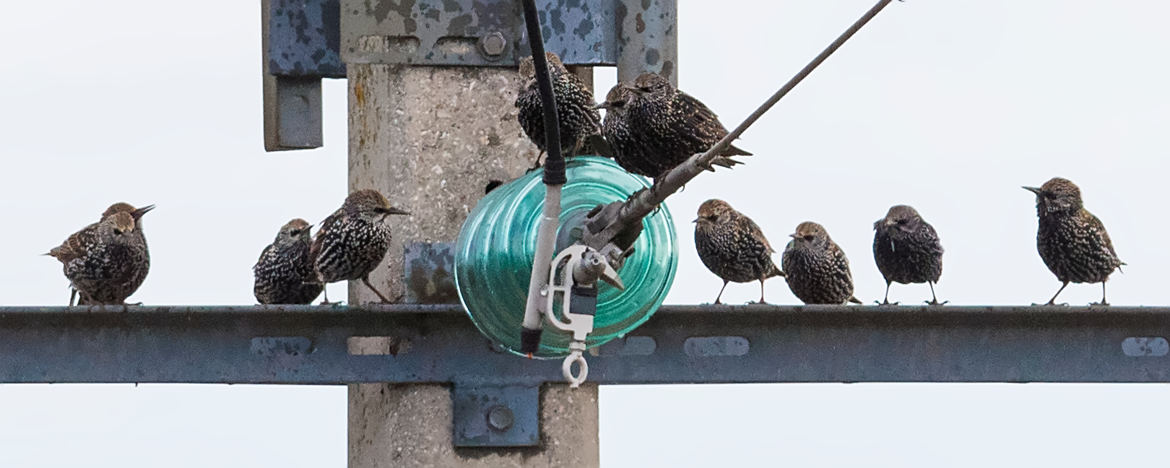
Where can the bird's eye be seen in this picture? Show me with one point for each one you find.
(618, 104)
(901, 221)
(809, 237)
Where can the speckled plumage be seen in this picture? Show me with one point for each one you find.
(653, 127)
(732, 246)
(1071, 241)
(907, 250)
(577, 118)
(284, 273)
(816, 268)
(354, 239)
(106, 261)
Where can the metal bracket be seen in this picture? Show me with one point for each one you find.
(430, 273)
(301, 44)
(485, 33)
(496, 415)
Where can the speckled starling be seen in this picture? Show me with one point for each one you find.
(816, 268)
(907, 250)
(732, 246)
(579, 122)
(1071, 241)
(284, 273)
(108, 260)
(653, 127)
(354, 239)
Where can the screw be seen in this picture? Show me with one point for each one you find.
(499, 418)
(493, 44)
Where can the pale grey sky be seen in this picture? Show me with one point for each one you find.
(948, 106)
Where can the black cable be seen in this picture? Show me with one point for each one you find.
(554, 163)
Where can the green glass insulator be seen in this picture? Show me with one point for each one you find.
(496, 245)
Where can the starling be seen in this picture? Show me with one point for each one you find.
(284, 273)
(732, 246)
(1072, 242)
(907, 250)
(106, 261)
(579, 122)
(653, 127)
(353, 240)
(816, 269)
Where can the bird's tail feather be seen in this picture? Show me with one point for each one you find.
(733, 150)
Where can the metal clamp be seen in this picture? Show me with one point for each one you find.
(573, 275)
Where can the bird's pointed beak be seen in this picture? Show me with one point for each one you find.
(793, 235)
(397, 211)
(604, 105)
(141, 211)
(1035, 190)
(695, 220)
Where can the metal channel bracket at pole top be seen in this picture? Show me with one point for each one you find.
(307, 40)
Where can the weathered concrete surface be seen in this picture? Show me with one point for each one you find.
(431, 139)
(410, 426)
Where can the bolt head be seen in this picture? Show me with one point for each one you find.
(500, 418)
(493, 44)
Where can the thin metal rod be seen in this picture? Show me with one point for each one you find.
(642, 203)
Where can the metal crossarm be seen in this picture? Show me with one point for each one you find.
(681, 344)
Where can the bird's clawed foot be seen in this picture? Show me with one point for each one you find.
(885, 302)
(935, 302)
(1102, 303)
(1051, 303)
(537, 163)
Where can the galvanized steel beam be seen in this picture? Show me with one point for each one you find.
(681, 344)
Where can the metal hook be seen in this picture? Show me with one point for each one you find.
(575, 356)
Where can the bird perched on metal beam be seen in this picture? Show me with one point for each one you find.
(1071, 241)
(107, 261)
(354, 239)
(284, 273)
(816, 268)
(653, 127)
(907, 250)
(579, 123)
(732, 246)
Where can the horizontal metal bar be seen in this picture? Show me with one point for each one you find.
(680, 344)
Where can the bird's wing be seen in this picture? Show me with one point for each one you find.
(752, 229)
(699, 117)
(930, 237)
(75, 246)
(326, 226)
(1099, 236)
(263, 253)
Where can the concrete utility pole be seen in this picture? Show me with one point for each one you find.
(431, 139)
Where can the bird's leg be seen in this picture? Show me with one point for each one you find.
(366, 280)
(933, 298)
(1103, 301)
(886, 300)
(721, 292)
(72, 296)
(1053, 300)
(762, 301)
(325, 300)
(536, 163)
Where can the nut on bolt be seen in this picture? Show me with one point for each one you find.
(500, 418)
(493, 44)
